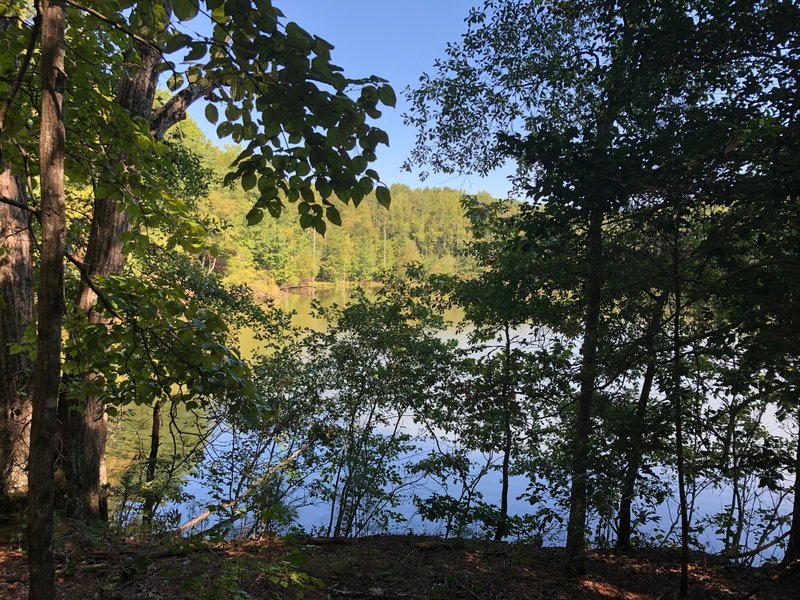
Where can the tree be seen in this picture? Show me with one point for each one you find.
(16, 296)
(16, 282)
(611, 110)
(281, 96)
(561, 78)
(47, 377)
(289, 89)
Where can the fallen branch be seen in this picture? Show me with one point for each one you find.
(203, 516)
(758, 549)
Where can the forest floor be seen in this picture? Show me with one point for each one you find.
(110, 567)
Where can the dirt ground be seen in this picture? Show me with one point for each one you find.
(104, 566)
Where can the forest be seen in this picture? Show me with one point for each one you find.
(586, 390)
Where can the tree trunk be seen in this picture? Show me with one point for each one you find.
(634, 457)
(677, 402)
(634, 460)
(16, 313)
(85, 425)
(151, 500)
(576, 526)
(793, 549)
(51, 305)
(502, 528)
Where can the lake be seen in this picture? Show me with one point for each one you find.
(130, 437)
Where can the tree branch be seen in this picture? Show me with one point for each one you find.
(175, 108)
(88, 281)
(26, 61)
(288, 460)
(757, 550)
(112, 23)
(19, 205)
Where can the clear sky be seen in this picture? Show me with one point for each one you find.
(397, 41)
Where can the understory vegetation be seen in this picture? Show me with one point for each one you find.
(622, 371)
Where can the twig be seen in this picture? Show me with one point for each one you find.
(37, 22)
(203, 516)
(88, 280)
(112, 23)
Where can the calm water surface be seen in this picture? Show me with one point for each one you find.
(130, 437)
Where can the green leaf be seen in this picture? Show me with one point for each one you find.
(306, 221)
(387, 96)
(197, 52)
(248, 181)
(176, 42)
(384, 196)
(307, 194)
(255, 216)
(175, 81)
(185, 9)
(212, 113)
(333, 215)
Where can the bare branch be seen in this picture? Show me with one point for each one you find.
(288, 460)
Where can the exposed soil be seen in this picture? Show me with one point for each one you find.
(110, 567)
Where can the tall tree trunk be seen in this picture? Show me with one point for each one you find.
(635, 444)
(16, 306)
(677, 402)
(16, 313)
(85, 425)
(502, 527)
(576, 526)
(51, 304)
(793, 549)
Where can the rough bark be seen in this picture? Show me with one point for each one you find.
(174, 110)
(84, 431)
(16, 308)
(51, 305)
(576, 526)
(16, 313)
(84, 427)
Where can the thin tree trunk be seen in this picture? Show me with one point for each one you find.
(576, 526)
(151, 500)
(793, 549)
(384, 242)
(634, 457)
(85, 427)
(47, 378)
(16, 313)
(678, 406)
(502, 527)
(314, 260)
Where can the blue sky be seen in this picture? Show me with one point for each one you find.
(396, 41)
